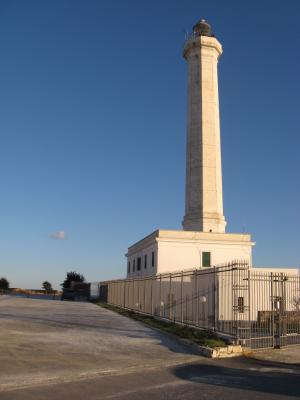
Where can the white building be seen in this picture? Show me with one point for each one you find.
(169, 251)
(203, 241)
(202, 276)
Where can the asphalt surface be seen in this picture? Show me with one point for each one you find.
(285, 355)
(64, 350)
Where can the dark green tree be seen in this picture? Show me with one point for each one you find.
(4, 284)
(72, 276)
(47, 287)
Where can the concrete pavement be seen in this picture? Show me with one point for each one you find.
(53, 350)
(53, 341)
(285, 355)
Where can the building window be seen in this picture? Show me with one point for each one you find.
(206, 259)
(129, 267)
(241, 306)
(152, 259)
(139, 263)
(145, 261)
(133, 265)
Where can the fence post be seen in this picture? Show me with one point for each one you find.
(144, 294)
(133, 294)
(186, 309)
(194, 297)
(272, 308)
(181, 299)
(233, 294)
(138, 295)
(160, 306)
(170, 298)
(249, 307)
(197, 301)
(215, 301)
(283, 320)
(151, 297)
(124, 288)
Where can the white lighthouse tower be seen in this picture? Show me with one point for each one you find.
(203, 242)
(204, 197)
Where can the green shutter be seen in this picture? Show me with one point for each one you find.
(206, 259)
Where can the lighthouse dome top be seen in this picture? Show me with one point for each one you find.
(202, 28)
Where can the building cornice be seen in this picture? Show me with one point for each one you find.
(210, 236)
(180, 236)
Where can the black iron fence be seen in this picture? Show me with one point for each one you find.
(256, 308)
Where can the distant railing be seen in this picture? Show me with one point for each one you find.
(190, 36)
(31, 294)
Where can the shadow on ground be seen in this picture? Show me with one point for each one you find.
(277, 364)
(261, 378)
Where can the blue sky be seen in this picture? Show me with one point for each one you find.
(93, 106)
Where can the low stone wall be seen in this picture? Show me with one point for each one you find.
(222, 352)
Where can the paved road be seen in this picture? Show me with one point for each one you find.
(286, 355)
(61, 350)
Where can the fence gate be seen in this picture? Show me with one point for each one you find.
(274, 310)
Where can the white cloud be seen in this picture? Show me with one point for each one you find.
(59, 235)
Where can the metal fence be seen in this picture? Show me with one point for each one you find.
(257, 309)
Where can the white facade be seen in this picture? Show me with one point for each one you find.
(146, 250)
(182, 250)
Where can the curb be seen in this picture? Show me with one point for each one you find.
(209, 352)
(222, 352)
(217, 352)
